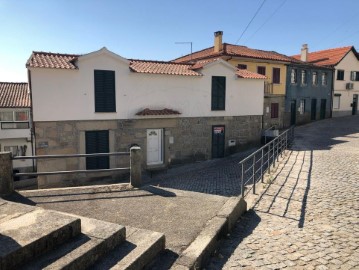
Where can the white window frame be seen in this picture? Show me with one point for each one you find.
(336, 105)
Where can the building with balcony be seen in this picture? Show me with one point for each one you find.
(15, 122)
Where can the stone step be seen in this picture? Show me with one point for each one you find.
(97, 239)
(139, 249)
(27, 232)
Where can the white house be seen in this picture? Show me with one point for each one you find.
(345, 60)
(102, 102)
(15, 134)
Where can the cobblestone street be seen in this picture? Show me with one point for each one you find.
(308, 218)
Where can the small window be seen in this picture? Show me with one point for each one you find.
(276, 75)
(105, 93)
(242, 66)
(303, 79)
(302, 106)
(340, 75)
(324, 78)
(274, 110)
(218, 93)
(315, 78)
(6, 116)
(336, 102)
(13, 149)
(354, 76)
(293, 76)
(261, 70)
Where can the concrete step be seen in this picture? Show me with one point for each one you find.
(97, 239)
(139, 249)
(27, 232)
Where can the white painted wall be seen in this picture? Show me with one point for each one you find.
(18, 142)
(69, 94)
(348, 64)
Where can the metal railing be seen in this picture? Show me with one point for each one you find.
(71, 156)
(268, 88)
(258, 163)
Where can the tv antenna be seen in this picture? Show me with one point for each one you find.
(186, 42)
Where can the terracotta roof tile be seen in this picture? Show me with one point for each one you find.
(14, 95)
(158, 67)
(329, 57)
(233, 50)
(246, 74)
(149, 112)
(52, 60)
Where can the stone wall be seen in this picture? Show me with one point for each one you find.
(192, 141)
(267, 120)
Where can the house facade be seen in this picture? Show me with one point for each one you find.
(15, 123)
(268, 63)
(309, 91)
(345, 62)
(102, 102)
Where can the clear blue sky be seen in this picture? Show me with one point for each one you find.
(149, 29)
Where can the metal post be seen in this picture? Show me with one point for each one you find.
(253, 173)
(242, 182)
(268, 157)
(278, 149)
(262, 176)
(274, 152)
(135, 165)
(6, 177)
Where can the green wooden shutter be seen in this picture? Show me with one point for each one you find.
(218, 93)
(105, 92)
(97, 142)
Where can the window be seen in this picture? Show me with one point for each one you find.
(336, 101)
(324, 78)
(303, 79)
(97, 142)
(274, 112)
(218, 93)
(340, 75)
(105, 95)
(276, 75)
(13, 149)
(302, 106)
(6, 116)
(354, 75)
(293, 76)
(315, 78)
(241, 66)
(261, 70)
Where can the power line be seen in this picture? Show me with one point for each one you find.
(255, 14)
(270, 17)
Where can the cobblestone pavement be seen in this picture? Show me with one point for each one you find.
(308, 218)
(217, 176)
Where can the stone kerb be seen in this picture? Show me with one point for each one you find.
(6, 177)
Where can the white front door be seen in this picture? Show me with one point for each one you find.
(154, 146)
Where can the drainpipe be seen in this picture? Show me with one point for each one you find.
(332, 94)
(32, 131)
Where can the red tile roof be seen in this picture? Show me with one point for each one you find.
(52, 60)
(233, 50)
(245, 74)
(330, 57)
(14, 95)
(149, 112)
(158, 67)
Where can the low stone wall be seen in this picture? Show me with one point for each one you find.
(185, 140)
(267, 120)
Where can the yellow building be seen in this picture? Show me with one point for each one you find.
(269, 63)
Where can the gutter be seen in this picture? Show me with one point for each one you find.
(32, 120)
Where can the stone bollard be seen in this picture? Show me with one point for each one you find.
(136, 161)
(6, 178)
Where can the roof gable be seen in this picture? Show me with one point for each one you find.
(14, 95)
(102, 51)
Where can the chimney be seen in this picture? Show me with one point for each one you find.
(304, 53)
(218, 41)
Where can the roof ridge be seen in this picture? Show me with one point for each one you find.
(60, 54)
(192, 53)
(14, 82)
(158, 61)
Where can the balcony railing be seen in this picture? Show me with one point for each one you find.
(15, 125)
(268, 88)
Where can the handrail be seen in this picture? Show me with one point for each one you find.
(266, 156)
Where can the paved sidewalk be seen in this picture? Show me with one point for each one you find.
(308, 218)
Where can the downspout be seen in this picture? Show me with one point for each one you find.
(332, 94)
(32, 131)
